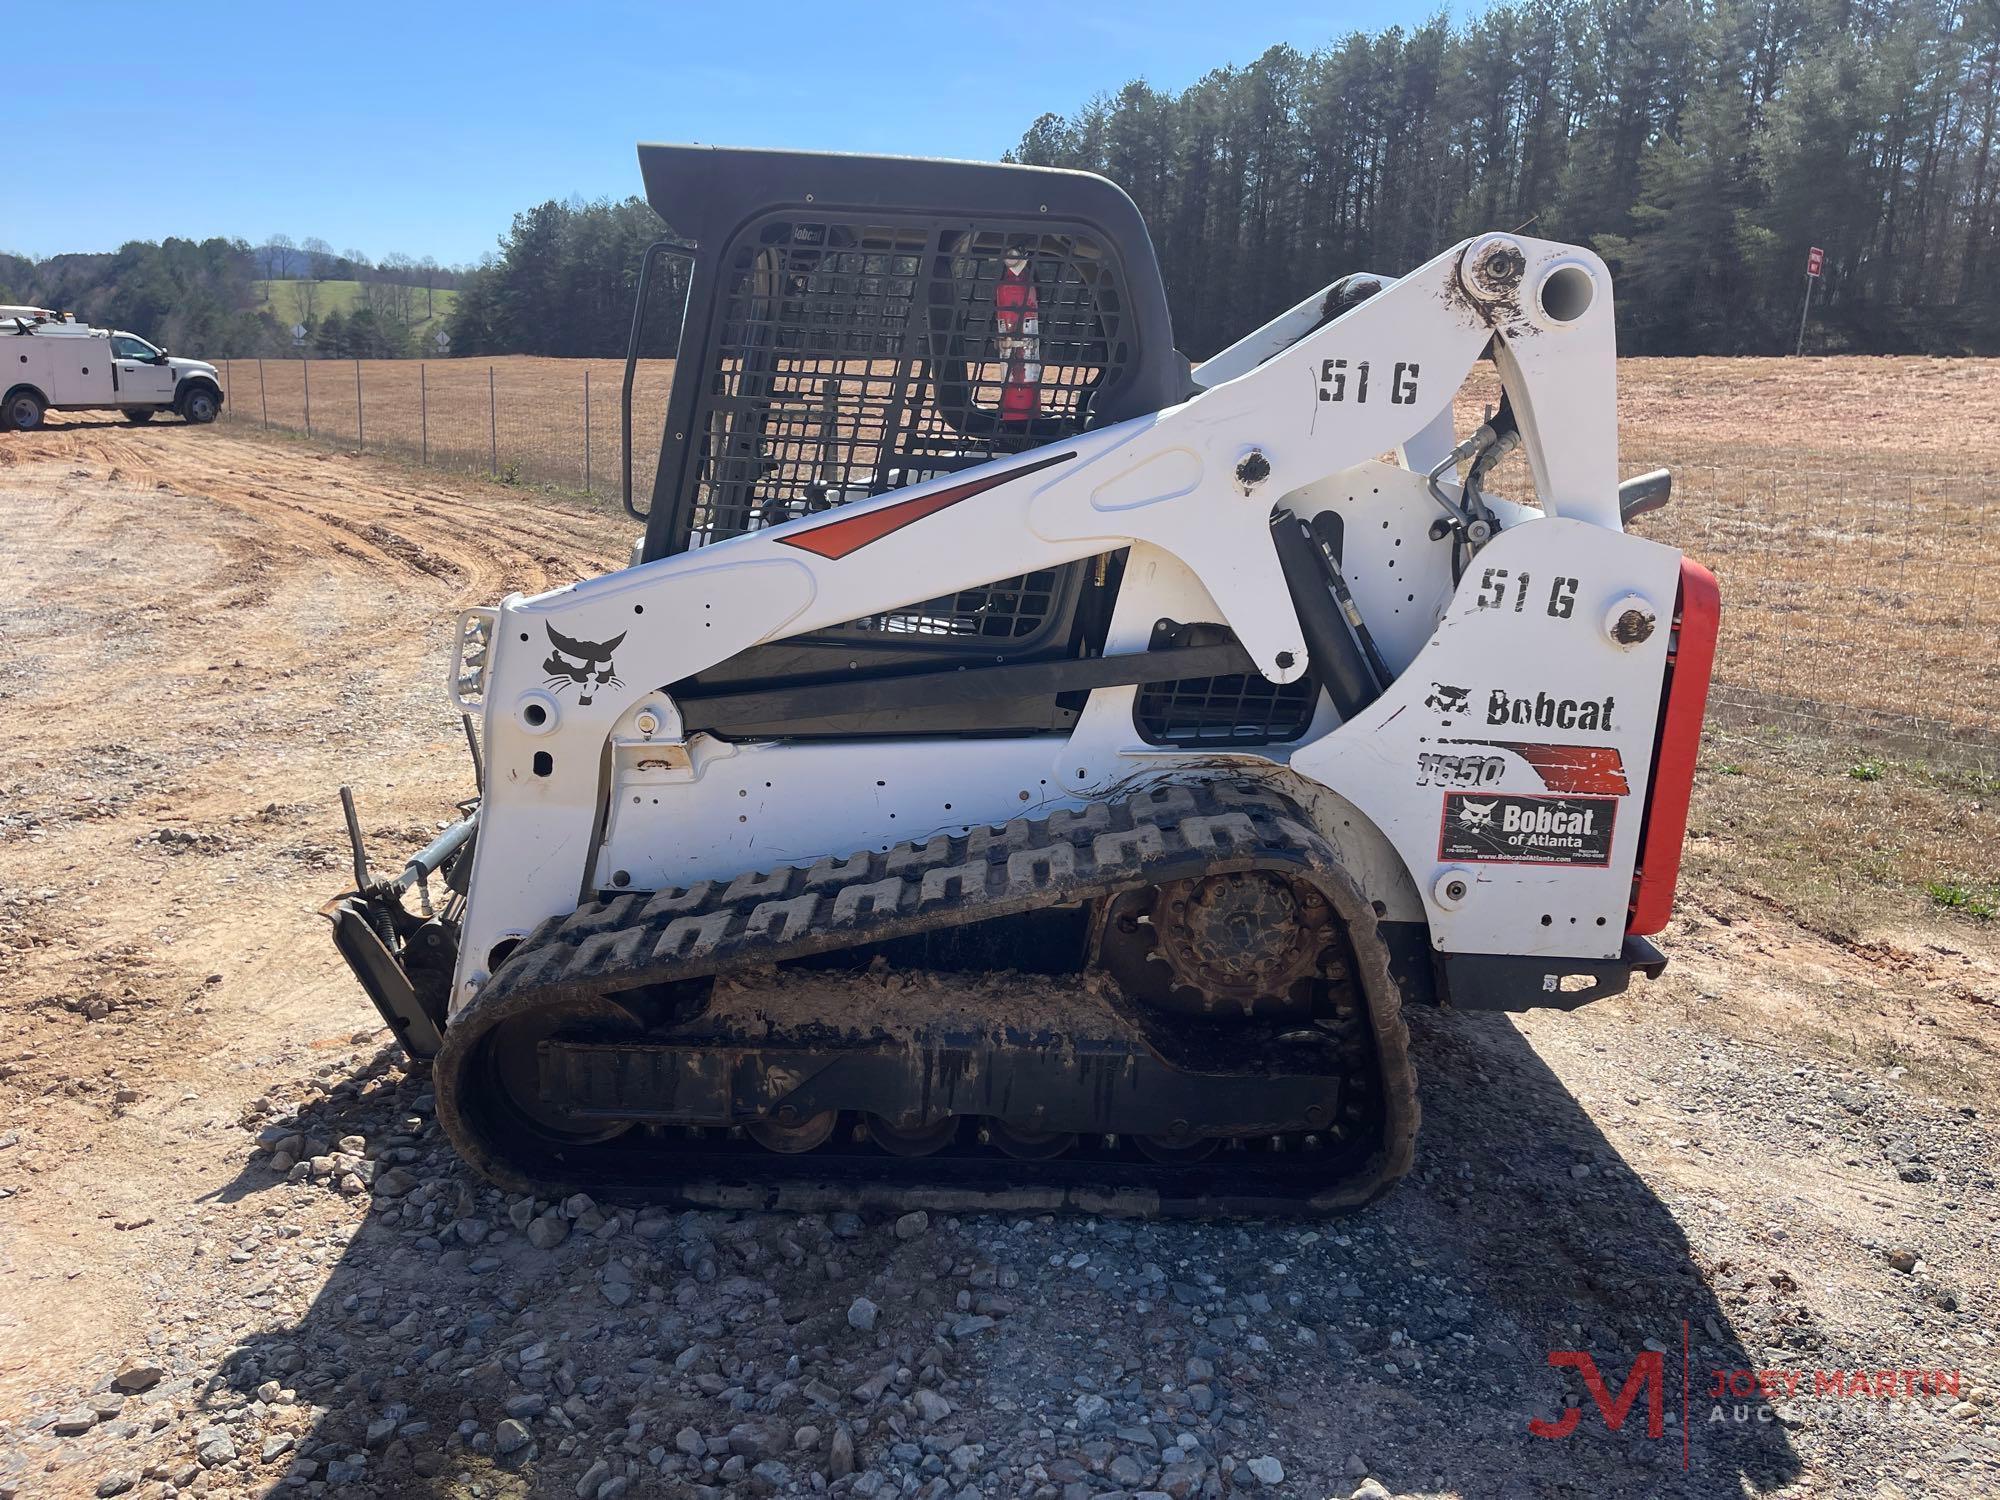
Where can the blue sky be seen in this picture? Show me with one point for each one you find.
(422, 128)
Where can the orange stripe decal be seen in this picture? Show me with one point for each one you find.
(1567, 768)
(1574, 768)
(837, 538)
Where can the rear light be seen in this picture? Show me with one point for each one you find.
(1684, 700)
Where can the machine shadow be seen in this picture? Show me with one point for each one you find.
(1550, 1245)
(1417, 1333)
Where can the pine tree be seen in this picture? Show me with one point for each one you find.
(329, 340)
(1701, 149)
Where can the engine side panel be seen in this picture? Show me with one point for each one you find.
(1508, 763)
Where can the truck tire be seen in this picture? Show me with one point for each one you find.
(200, 405)
(23, 410)
(138, 415)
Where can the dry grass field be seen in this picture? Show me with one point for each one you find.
(1846, 502)
(520, 416)
(1906, 414)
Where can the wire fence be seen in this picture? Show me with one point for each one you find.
(520, 419)
(1862, 599)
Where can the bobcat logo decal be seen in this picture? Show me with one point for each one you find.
(1476, 814)
(585, 663)
(1446, 699)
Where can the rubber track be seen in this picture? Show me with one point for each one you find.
(1163, 832)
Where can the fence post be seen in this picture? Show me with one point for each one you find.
(492, 427)
(263, 398)
(586, 429)
(305, 374)
(424, 412)
(360, 436)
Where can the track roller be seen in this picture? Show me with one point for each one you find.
(1171, 1151)
(794, 1136)
(912, 1140)
(1025, 1144)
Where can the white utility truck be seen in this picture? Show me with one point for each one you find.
(48, 360)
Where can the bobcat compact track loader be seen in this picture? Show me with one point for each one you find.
(1022, 770)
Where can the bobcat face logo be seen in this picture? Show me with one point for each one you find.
(590, 668)
(1476, 814)
(1447, 699)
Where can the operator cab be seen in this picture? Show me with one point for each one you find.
(845, 337)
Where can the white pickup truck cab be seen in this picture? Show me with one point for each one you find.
(51, 362)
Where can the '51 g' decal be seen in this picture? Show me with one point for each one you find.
(1494, 588)
(1333, 382)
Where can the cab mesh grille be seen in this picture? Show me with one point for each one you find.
(853, 359)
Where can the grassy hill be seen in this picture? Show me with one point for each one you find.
(282, 297)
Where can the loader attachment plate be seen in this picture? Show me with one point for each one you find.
(382, 976)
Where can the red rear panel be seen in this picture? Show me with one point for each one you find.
(1690, 657)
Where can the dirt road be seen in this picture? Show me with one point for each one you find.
(202, 640)
(1742, 1168)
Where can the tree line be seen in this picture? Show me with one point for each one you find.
(282, 258)
(563, 283)
(201, 297)
(1700, 146)
(192, 296)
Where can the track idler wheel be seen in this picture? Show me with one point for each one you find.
(512, 1069)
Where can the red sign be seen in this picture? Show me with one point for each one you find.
(1815, 258)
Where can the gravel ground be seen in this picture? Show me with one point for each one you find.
(356, 1314)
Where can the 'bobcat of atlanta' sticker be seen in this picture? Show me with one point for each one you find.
(1506, 829)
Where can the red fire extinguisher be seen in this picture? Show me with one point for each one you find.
(1018, 326)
